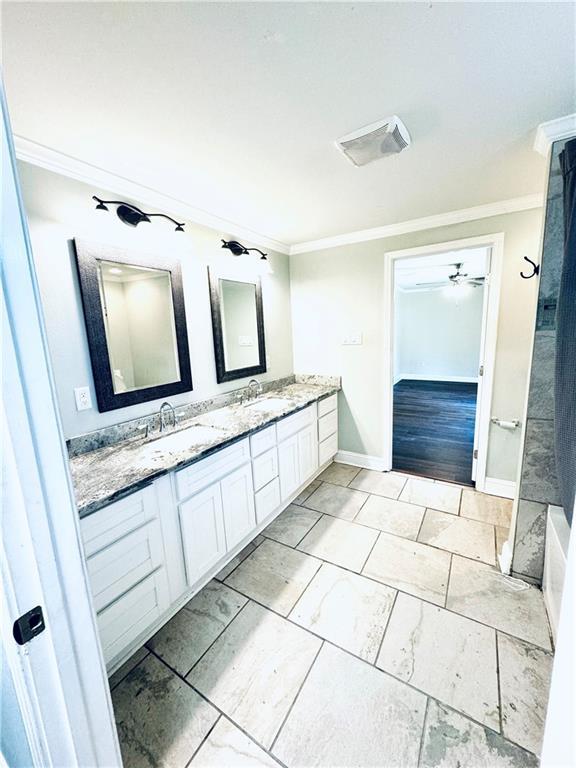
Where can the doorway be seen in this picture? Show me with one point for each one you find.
(441, 303)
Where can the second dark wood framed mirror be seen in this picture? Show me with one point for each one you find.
(237, 326)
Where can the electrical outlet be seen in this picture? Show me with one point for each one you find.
(82, 397)
(352, 338)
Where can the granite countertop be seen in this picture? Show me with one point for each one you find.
(107, 474)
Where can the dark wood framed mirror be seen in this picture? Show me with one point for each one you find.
(135, 323)
(237, 326)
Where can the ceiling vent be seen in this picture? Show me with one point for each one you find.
(386, 137)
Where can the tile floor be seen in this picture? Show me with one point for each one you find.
(366, 626)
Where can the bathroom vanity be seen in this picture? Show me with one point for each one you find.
(161, 516)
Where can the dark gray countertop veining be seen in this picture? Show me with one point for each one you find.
(108, 474)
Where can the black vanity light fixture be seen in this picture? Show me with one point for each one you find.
(132, 215)
(237, 249)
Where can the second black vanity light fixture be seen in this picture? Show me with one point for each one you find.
(237, 249)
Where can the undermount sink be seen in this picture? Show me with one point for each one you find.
(179, 441)
(269, 404)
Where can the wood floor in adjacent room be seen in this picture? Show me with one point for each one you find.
(434, 429)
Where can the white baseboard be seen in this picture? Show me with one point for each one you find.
(361, 460)
(427, 377)
(496, 487)
(505, 558)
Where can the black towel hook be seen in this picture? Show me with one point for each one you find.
(535, 269)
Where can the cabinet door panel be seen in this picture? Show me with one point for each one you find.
(238, 505)
(307, 453)
(289, 466)
(202, 525)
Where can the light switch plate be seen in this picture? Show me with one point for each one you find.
(354, 338)
(83, 399)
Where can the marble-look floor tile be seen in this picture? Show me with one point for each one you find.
(483, 593)
(228, 747)
(442, 654)
(254, 670)
(488, 509)
(183, 640)
(460, 535)
(445, 498)
(308, 491)
(292, 525)
(349, 610)
(339, 474)
(337, 501)
(524, 684)
(339, 542)
(391, 516)
(452, 741)
(274, 575)
(161, 721)
(235, 562)
(383, 483)
(410, 567)
(350, 714)
(128, 665)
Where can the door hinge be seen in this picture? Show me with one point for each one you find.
(29, 625)
(481, 371)
(475, 453)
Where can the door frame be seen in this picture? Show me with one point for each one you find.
(495, 244)
(59, 678)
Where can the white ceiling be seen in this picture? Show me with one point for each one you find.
(416, 272)
(234, 107)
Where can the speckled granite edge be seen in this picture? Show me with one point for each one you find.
(126, 430)
(112, 472)
(320, 381)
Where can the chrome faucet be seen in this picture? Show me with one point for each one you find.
(166, 405)
(255, 387)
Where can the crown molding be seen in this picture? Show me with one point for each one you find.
(554, 130)
(37, 154)
(512, 205)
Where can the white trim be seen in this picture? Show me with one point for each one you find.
(554, 130)
(428, 377)
(52, 160)
(495, 242)
(496, 487)
(513, 205)
(360, 460)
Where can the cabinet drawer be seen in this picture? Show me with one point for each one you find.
(267, 500)
(327, 405)
(327, 425)
(327, 449)
(116, 569)
(132, 614)
(292, 424)
(109, 524)
(209, 470)
(265, 468)
(263, 440)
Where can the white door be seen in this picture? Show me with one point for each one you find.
(238, 505)
(54, 685)
(202, 526)
(480, 416)
(307, 452)
(288, 466)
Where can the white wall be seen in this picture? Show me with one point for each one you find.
(60, 209)
(437, 336)
(339, 290)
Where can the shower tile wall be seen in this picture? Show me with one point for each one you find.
(538, 483)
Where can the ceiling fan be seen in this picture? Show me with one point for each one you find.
(458, 278)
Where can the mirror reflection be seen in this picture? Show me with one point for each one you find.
(139, 324)
(239, 324)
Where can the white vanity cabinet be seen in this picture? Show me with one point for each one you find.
(147, 554)
(125, 558)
